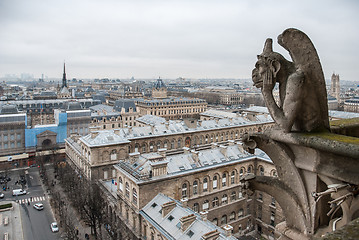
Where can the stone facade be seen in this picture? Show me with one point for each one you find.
(213, 190)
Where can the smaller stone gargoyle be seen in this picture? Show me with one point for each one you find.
(303, 99)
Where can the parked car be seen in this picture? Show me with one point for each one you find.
(17, 192)
(39, 206)
(54, 227)
(2, 195)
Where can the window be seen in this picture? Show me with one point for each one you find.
(113, 155)
(170, 218)
(259, 212)
(190, 233)
(195, 187)
(205, 185)
(205, 205)
(248, 209)
(179, 143)
(261, 171)
(120, 183)
(273, 202)
(5, 138)
(18, 136)
(151, 147)
(240, 195)
(184, 190)
(260, 196)
(233, 196)
(144, 148)
(196, 207)
(233, 175)
(12, 137)
(215, 221)
(127, 190)
(215, 202)
(240, 213)
(214, 182)
(224, 180)
(241, 172)
(224, 219)
(134, 196)
(224, 199)
(232, 216)
(272, 218)
(249, 169)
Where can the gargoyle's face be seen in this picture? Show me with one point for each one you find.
(258, 73)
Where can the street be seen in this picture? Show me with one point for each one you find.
(35, 223)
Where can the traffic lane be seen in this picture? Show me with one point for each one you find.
(36, 224)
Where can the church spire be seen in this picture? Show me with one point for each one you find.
(64, 82)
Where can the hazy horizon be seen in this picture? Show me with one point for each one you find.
(190, 39)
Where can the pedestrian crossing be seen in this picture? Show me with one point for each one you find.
(32, 199)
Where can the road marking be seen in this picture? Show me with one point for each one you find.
(32, 199)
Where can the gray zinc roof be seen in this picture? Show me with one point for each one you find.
(170, 225)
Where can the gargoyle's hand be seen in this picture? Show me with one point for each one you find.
(268, 82)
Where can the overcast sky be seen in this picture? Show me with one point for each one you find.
(190, 39)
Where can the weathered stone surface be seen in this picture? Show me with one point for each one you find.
(303, 98)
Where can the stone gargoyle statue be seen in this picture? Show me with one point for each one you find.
(303, 99)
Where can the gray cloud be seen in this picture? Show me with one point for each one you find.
(169, 38)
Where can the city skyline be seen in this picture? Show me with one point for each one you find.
(147, 39)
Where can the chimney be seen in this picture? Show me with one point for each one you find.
(223, 150)
(92, 129)
(186, 150)
(162, 152)
(94, 134)
(228, 230)
(184, 202)
(186, 221)
(213, 235)
(195, 155)
(167, 207)
(204, 215)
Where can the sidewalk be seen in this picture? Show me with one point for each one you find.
(14, 226)
(80, 225)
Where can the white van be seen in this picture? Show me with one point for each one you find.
(17, 192)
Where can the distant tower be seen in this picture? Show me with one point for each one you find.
(335, 87)
(64, 81)
(159, 90)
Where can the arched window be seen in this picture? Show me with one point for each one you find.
(134, 196)
(233, 177)
(196, 207)
(120, 183)
(195, 187)
(205, 185)
(127, 190)
(274, 173)
(215, 202)
(240, 213)
(136, 147)
(205, 205)
(113, 154)
(249, 169)
(215, 221)
(224, 199)
(184, 190)
(261, 170)
(144, 148)
(241, 172)
(224, 180)
(224, 219)
(151, 147)
(232, 216)
(179, 144)
(233, 196)
(173, 144)
(214, 185)
(165, 144)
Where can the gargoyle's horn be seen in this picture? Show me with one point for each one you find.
(268, 46)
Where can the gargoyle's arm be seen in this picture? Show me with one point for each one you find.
(286, 115)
